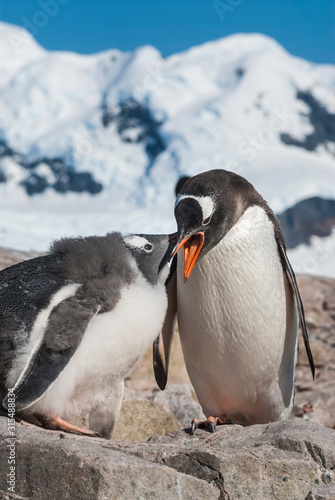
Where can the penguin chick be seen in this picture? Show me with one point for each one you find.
(75, 321)
(238, 310)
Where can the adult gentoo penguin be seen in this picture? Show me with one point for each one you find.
(238, 310)
(75, 321)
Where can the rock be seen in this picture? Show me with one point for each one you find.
(53, 173)
(10, 257)
(140, 419)
(292, 460)
(318, 295)
(324, 492)
(77, 468)
(329, 300)
(136, 124)
(311, 216)
(140, 388)
(321, 121)
(178, 399)
(281, 461)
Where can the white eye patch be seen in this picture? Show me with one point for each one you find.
(136, 241)
(206, 203)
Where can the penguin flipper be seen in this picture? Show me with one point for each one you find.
(162, 345)
(49, 359)
(292, 280)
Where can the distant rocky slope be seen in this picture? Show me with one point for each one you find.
(322, 121)
(313, 216)
(44, 173)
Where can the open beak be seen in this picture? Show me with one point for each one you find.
(192, 247)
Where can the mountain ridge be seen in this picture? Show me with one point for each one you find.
(117, 129)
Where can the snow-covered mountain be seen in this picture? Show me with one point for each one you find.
(95, 143)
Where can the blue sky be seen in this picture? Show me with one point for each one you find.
(306, 28)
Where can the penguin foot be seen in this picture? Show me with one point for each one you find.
(210, 423)
(58, 424)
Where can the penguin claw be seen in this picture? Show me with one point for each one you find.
(210, 426)
(228, 422)
(195, 424)
(96, 434)
(210, 423)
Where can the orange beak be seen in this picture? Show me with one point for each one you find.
(192, 246)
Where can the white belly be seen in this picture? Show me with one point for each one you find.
(238, 325)
(112, 344)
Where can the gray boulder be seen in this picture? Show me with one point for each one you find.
(292, 460)
(324, 492)
(178, 399)
(281, 461)
(140, 418)
(50, 465)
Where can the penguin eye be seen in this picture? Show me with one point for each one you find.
(206, 221)
(148, 247)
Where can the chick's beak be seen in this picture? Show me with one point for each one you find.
(192, 247)
(172, 240)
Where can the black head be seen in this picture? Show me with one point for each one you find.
(180, 183)
(152, 253)
(208, 206)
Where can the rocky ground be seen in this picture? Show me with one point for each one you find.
(9, 257)
(293, 460)
(318, 296)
